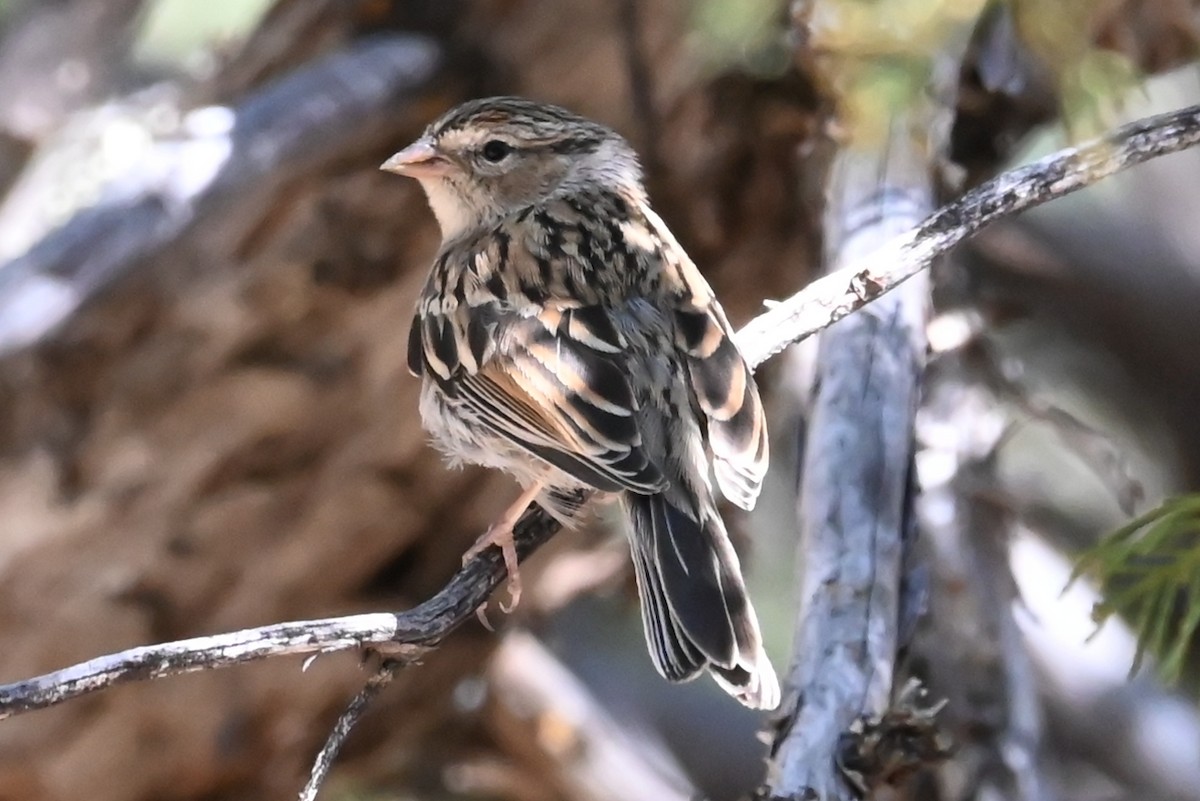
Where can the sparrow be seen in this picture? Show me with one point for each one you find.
(564, 337)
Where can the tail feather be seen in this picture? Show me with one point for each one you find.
(695, 608)
(705, 596)
(673, 654)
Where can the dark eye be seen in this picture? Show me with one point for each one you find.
(494, 150)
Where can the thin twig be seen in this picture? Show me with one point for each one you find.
(836, 295)
(354, 710)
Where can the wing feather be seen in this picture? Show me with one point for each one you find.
(557, 387)
(512, 325)
(728, 396)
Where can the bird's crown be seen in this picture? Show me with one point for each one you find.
(519, 122)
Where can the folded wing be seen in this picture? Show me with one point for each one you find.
(554, 382)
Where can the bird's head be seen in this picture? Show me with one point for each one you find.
(488, 158)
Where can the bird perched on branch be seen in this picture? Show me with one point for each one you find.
(565, 337)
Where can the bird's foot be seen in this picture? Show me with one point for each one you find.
(501, 535)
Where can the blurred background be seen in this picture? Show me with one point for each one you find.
(206, 422)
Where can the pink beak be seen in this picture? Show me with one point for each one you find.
(418, 160)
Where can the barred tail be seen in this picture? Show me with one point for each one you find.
(695, 609)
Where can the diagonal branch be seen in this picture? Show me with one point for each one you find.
(290, 127)
(836, 295)
(822, 303)
(401, 636)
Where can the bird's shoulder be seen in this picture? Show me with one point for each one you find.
(598, 254)
(583, 248)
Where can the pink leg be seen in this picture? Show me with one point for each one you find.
(500, 534)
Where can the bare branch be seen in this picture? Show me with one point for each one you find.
(853, 505)
(341, 730)
(403, 635)
(832, 297)
(293, 125)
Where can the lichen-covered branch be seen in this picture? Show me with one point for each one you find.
(854, 506)
(832, 297)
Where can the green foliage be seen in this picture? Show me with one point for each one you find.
(747, 35)
(178, 32)
(1090, 78)
(1149, 571)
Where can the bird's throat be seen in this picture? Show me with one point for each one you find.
(453, 213)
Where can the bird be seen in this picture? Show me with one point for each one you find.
(565, 337)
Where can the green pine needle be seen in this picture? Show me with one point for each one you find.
(1149, 572)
